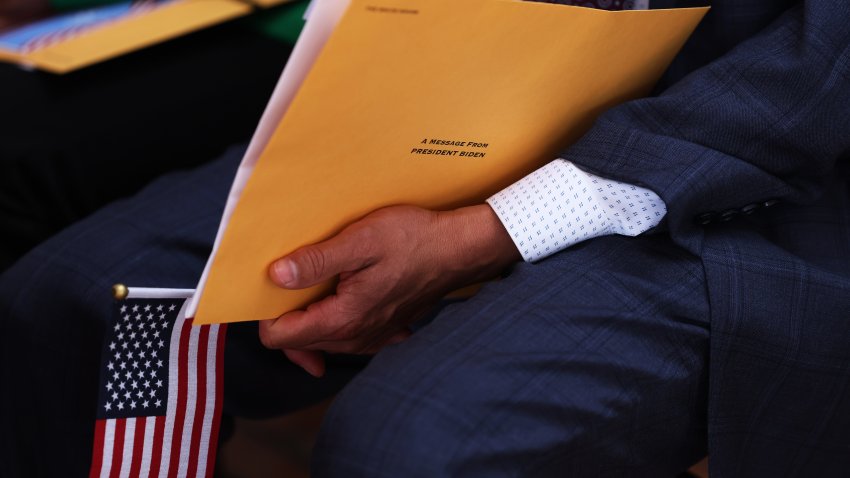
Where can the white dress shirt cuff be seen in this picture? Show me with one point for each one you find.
(560, 205)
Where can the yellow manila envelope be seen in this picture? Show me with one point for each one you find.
(63, 52)
(437, 103)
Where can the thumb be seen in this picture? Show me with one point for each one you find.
(317, 263)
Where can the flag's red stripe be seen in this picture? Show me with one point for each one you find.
(182, 382)
(138, 446)
(219, 384)
(156, 457)
(97, 448)
(118, 447)
(200, 403)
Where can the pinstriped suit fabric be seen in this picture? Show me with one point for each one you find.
(766, 122)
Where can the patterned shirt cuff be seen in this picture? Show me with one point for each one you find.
(560, 205)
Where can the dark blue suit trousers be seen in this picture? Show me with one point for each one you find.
(725, 331)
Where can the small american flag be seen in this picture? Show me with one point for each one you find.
(159, 402)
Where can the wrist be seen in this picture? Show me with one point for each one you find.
(476, 242)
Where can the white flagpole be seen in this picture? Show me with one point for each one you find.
(121, 292)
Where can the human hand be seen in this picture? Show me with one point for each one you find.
(392, 265)
(16, 12)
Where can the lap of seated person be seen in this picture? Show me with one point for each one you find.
(575, 354)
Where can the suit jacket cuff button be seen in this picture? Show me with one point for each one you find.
(705, 218)
(750, 208)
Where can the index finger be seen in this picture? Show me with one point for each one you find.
(320, 322)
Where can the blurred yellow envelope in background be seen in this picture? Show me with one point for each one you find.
(75, 40)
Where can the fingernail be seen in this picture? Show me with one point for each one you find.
(285, 272)
(315, 369)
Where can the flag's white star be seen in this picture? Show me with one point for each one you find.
(159, 363)
(149, 344)
(112, 346)
(141, 374)
(130, 355)
(147, 308)
(153, 352)
(110, 366)
(145, 403)
(129, 375)
(150, 316)
(117, 327)
(126, 317)
(108, 406)
(142, 354)
(147, 384)
(140, 394)
(132, 335)
(172, 307)
(156, 334)
(152, 393)
(124, 345)
(135, 384)
(124, 308)
(136, 308)
(159, 307)
(116, 376)
(158, 403)
(135, 364)
(123, 365)
(120, 336)
(121, 385)
(117, 355)
(120, 405)
(159, 383)
(135, 345)
(147, 364)
(161, 316)
(109, 385)
(144, 334)
(132, 404)
(115, 395)
(160, 344)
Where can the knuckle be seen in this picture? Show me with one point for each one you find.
(348, 330)
(314, 260)
(351, 347)
(365, 241)
(267, 338)
(337, 336)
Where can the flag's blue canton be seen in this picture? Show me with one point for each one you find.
(134, 362)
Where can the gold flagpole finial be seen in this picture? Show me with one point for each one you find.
(120, 291)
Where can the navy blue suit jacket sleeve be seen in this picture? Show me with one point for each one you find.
(767, 120)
